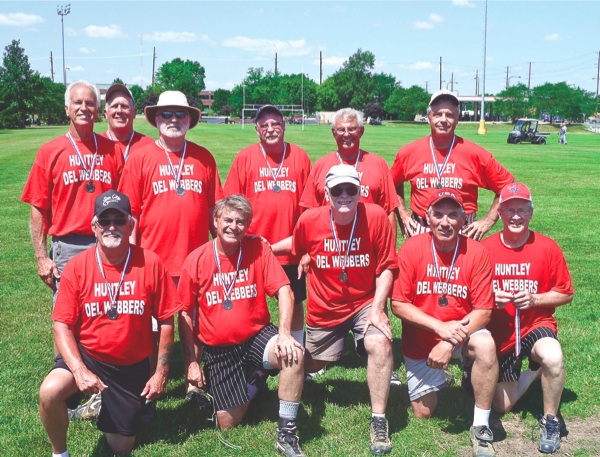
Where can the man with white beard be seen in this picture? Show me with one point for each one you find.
(102, 328)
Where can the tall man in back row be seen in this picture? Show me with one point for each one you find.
(446, 160)
(120, 113)
(352, 266)
(531, 280)
(444, 298)
(272, 174)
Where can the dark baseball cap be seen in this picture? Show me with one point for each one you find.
(268, 109)
(112, 199)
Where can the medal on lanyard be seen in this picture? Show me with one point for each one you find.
(517, 328)
(89, 187)
(226, 284)
(179, 190)
(343, 276)
(126, 155)
(113, 313)
(276, 187)
(440, 170)
(443, 300)
(355, 163)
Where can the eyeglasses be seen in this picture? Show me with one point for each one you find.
(520, 212)
(350, 130)
(273, 125)
(106, 222)
(178, 114)
(337, 190)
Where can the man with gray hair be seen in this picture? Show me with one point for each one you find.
(120, 113)
(443, 159)
(68, 173)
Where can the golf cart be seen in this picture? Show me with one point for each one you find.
(526, 130)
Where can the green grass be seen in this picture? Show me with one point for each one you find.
(334, 418)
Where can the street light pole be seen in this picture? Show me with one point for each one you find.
(482, 129)
(62, 11)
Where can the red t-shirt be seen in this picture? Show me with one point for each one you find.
(470, 287)
(275, 214)
(138, 142)
(83, 301)
(469, 168)
(169, 224)
(376, 184)
(57, 182)
(537, 267)
(200, 287)
(331, 301)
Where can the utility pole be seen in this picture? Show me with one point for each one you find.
(62, 11)
(275, 63)
(320, 67)
(427, 86)
(597, 82)
(153, 64)
(51, 67)
(507, 77)
(440, 72)
(476, 82)
(482, 130)
(529, 77)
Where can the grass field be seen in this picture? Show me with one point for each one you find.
(334, 418)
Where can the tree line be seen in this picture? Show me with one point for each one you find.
(27, 97)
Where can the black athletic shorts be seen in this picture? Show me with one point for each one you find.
(122, 403)
(298, 285)
(510, 365)
(227, 368)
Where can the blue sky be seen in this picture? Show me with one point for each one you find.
(109, 39)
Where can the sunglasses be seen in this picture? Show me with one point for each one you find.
(337, 190)
(106, 222)
(178, 114)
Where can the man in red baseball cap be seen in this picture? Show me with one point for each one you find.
(444, 298)
(531, 280)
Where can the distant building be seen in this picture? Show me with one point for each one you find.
(207, 97)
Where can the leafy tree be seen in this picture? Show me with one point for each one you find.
(374, 110)
(186, 76)
(49, 101)
(138, 95)
(16, 89)
(405, 104)
(226, 110)
(562, 100)
(220, 100)
(118, 81)
(514, 102)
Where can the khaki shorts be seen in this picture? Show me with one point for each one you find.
(327, 344)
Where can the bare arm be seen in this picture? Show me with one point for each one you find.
(157, 384)
(47, 269)
(377, 316)
(195, 375)
(87, 382)
(480, 227)
(526, 300)
(282, 246)
(405, 220)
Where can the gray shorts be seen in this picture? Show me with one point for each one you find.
(63, 248)
(327, 344)
(422, 379)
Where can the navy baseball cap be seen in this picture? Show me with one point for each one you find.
(112, 199)
(268, 109)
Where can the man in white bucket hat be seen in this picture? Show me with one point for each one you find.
(173, 185)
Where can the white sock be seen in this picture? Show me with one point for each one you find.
(62, 454)
(378, 415)
(481, 417)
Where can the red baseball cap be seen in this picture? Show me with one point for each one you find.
(515, 190)
(437, 195)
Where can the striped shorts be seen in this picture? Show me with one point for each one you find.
(227, 368)
(510, 365)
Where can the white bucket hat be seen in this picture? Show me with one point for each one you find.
(174, 99)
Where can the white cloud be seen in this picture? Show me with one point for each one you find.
(104, 31)
(264, 46)
(331, 61)
(436, 18)
(20, 19)
(423, 25)
(462, 3)
(552, 37)
(172, 37)
(69, 31)
(84, 50)
(377, 25)
(421, 66)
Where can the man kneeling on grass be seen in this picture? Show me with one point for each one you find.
(103, 330)
(223, 284)
(531, 280)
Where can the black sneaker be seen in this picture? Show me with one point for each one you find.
(287, 442)
(549, 434)
(149, 412)
(380, 440)
(395, 380)
(203, 401)
(481, 441)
